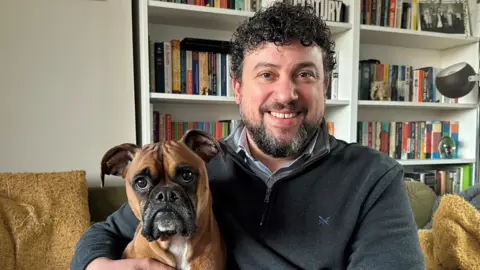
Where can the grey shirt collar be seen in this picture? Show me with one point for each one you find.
(319, 144)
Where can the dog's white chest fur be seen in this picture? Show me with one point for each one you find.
(178, 246)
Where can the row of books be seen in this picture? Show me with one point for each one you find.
(408, 140)
(163, 128)
(246, 5)
(390, 13)
(330, 10)
(190, 66)
(449, 17)
(451, 179)
(381, 81)
(199, 67)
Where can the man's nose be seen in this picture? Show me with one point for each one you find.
(285, 91)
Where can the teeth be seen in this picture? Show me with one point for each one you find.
(283, 115)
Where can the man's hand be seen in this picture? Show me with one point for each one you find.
(127, 264)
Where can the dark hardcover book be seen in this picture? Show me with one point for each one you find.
(404, 21)
(155, 126)
(206, 45)
(394, 93)
(195, 73)
(374, 12)
(224, 74)
(183, 72)
(365, 78)
(398, 140)
(386, 8)
(159, 68)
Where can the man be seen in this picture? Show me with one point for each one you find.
(288, 195)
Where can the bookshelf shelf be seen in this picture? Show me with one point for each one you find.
(199, 99)
(332, 103)
(351, 109)
(420, 162)
(160, 12)
(415, 105)
(381, 35)
(199, 16)
(190, 99)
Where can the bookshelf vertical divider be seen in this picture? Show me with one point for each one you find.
(155, 20)
(142, 86)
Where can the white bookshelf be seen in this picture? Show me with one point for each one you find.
(199, 99)
(396, 37)
(415, 105)
(165, 21)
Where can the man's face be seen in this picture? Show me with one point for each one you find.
(281, 96)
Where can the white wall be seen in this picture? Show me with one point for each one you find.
(66, 84)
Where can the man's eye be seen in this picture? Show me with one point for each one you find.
(306, 74)
(266, 75)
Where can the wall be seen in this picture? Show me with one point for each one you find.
(66, 84)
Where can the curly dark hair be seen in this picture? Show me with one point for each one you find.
(281, 24)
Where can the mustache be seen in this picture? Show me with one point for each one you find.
(291, 106)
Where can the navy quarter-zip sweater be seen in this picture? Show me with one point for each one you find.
(345, 207)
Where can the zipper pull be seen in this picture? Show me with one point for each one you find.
(267, 196)
(266, 200)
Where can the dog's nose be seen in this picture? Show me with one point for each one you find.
(167, 195)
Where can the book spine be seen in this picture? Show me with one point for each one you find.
(168, 66)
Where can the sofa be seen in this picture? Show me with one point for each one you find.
(103, 201)
(55, 208)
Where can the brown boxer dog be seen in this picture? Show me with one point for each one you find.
(168, 191)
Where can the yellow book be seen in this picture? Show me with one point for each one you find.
(203, 73)
(175, 66)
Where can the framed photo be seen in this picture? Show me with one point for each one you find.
(444, 16)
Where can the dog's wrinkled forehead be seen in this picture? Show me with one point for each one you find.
(149, 158)
(194, 149)
(159, 158)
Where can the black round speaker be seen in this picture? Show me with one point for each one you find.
(453, 82)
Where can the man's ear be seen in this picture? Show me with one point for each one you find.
(236, 86)
(116, 160)
(202, 143)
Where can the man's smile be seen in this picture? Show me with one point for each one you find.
(284, 115)
(284, 119)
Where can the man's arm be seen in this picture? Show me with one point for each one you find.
(105, 239)
(386, 236)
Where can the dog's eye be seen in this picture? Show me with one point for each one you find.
(141, 182)
(187, 175)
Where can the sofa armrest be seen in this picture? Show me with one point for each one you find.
(104, 201)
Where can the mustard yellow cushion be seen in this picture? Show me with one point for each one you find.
(42, 215)
(422, 199)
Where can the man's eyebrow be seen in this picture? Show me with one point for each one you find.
(306, 65)
(265, 64)
(297, 66)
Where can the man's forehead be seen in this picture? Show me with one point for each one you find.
(278, 55)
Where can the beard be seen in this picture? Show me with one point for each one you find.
(270, 145)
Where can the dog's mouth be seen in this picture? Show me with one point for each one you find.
(168, 221)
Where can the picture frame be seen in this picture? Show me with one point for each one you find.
(444, 16)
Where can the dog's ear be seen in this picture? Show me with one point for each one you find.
(116, 160)
(202, 143)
